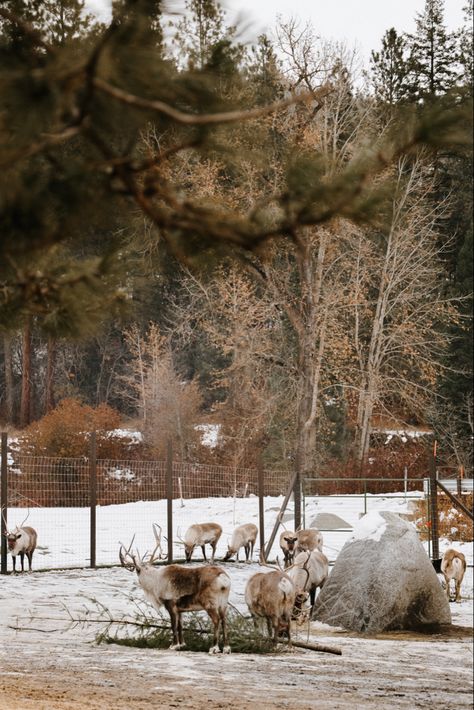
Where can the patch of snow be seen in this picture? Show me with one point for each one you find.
(135, 437)
(120, 474)
(210, 434)
(370, 527)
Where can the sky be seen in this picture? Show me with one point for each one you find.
(361, 23)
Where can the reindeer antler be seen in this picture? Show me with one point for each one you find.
(158, 545)
(27, 516)
(123, 557)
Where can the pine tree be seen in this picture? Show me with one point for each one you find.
(389, 69)
(433, 54)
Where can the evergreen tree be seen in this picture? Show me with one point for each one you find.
(389, 69)
(433, 54)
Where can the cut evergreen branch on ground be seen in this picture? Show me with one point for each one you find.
(243, 637)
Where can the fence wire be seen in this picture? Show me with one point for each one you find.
(55, 494)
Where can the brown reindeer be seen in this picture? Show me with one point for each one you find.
(243, 536)
(181, 589)
(309, 539)
(453, 566)
(21, 541)
(288, 540)
(201, 534)
(271, 596)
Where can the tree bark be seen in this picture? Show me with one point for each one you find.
(9, 398)
(49, 401)
(25, 405)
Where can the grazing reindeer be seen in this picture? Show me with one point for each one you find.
(309, 571)
(22, 541)
(271, 596)
(453, 566)
(201, 534)
(309, 539)
(243, 536)
(181, 589)
(288, 540)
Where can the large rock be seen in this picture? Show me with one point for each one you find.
(383, 580)
(328, 521)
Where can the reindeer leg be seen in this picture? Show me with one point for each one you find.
(222, 614)
(30, 558)
(446, 581)
(214, 545)
(14, 562)
(180, 631)
(214, 616)
(458, 590)
(203, 548)
(173, 612)
(22, 558)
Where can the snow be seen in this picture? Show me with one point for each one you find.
(371, 527)
(389, 671)
(210, 434)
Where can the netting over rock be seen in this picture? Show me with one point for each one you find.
(383, 580)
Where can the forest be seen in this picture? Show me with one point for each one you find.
(262, 236)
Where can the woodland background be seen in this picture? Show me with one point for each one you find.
(263, 237)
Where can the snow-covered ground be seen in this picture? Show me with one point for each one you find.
(50, 665)
(63, 533)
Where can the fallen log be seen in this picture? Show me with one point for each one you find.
(314, 647)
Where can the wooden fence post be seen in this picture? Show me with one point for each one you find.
(169, 499)
(4, 501)
(297, 492)
(93, 495)
(261, 515)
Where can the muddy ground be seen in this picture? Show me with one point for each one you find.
(49, 665)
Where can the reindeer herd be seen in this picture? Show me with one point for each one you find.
(276, 596)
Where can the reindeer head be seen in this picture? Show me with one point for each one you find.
(291, 541)
(133, 561)
(12, 537)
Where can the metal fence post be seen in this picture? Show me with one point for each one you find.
(434, 510)
(261, 517)
(169, 499)
(93, 495)
(297, 492)
(4, 502)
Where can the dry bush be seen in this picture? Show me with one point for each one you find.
(64, 432)
(453, 525)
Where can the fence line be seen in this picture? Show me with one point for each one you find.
(83, 507)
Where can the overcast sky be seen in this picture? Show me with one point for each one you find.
(359, 22)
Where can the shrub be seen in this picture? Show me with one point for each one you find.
(453, 525)
(64, 432)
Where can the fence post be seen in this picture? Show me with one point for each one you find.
(4, 502)
(297, 492)
(169, 499)
(93, 494)
(261, 518)
(434, 510)
(459, 480)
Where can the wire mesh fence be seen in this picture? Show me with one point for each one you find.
(83, 508)
(60, 497)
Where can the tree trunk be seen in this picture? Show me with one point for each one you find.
(9, 400)
(25, 406)
(49, 401)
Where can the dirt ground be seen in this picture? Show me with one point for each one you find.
(50, 666)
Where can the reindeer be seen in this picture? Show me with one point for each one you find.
(181, 589)
(308, 572)
(308, 539)
(21, 541)
(243, 536)
(453, 566)
(288, 540)
(201, 534)
(271, 596)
